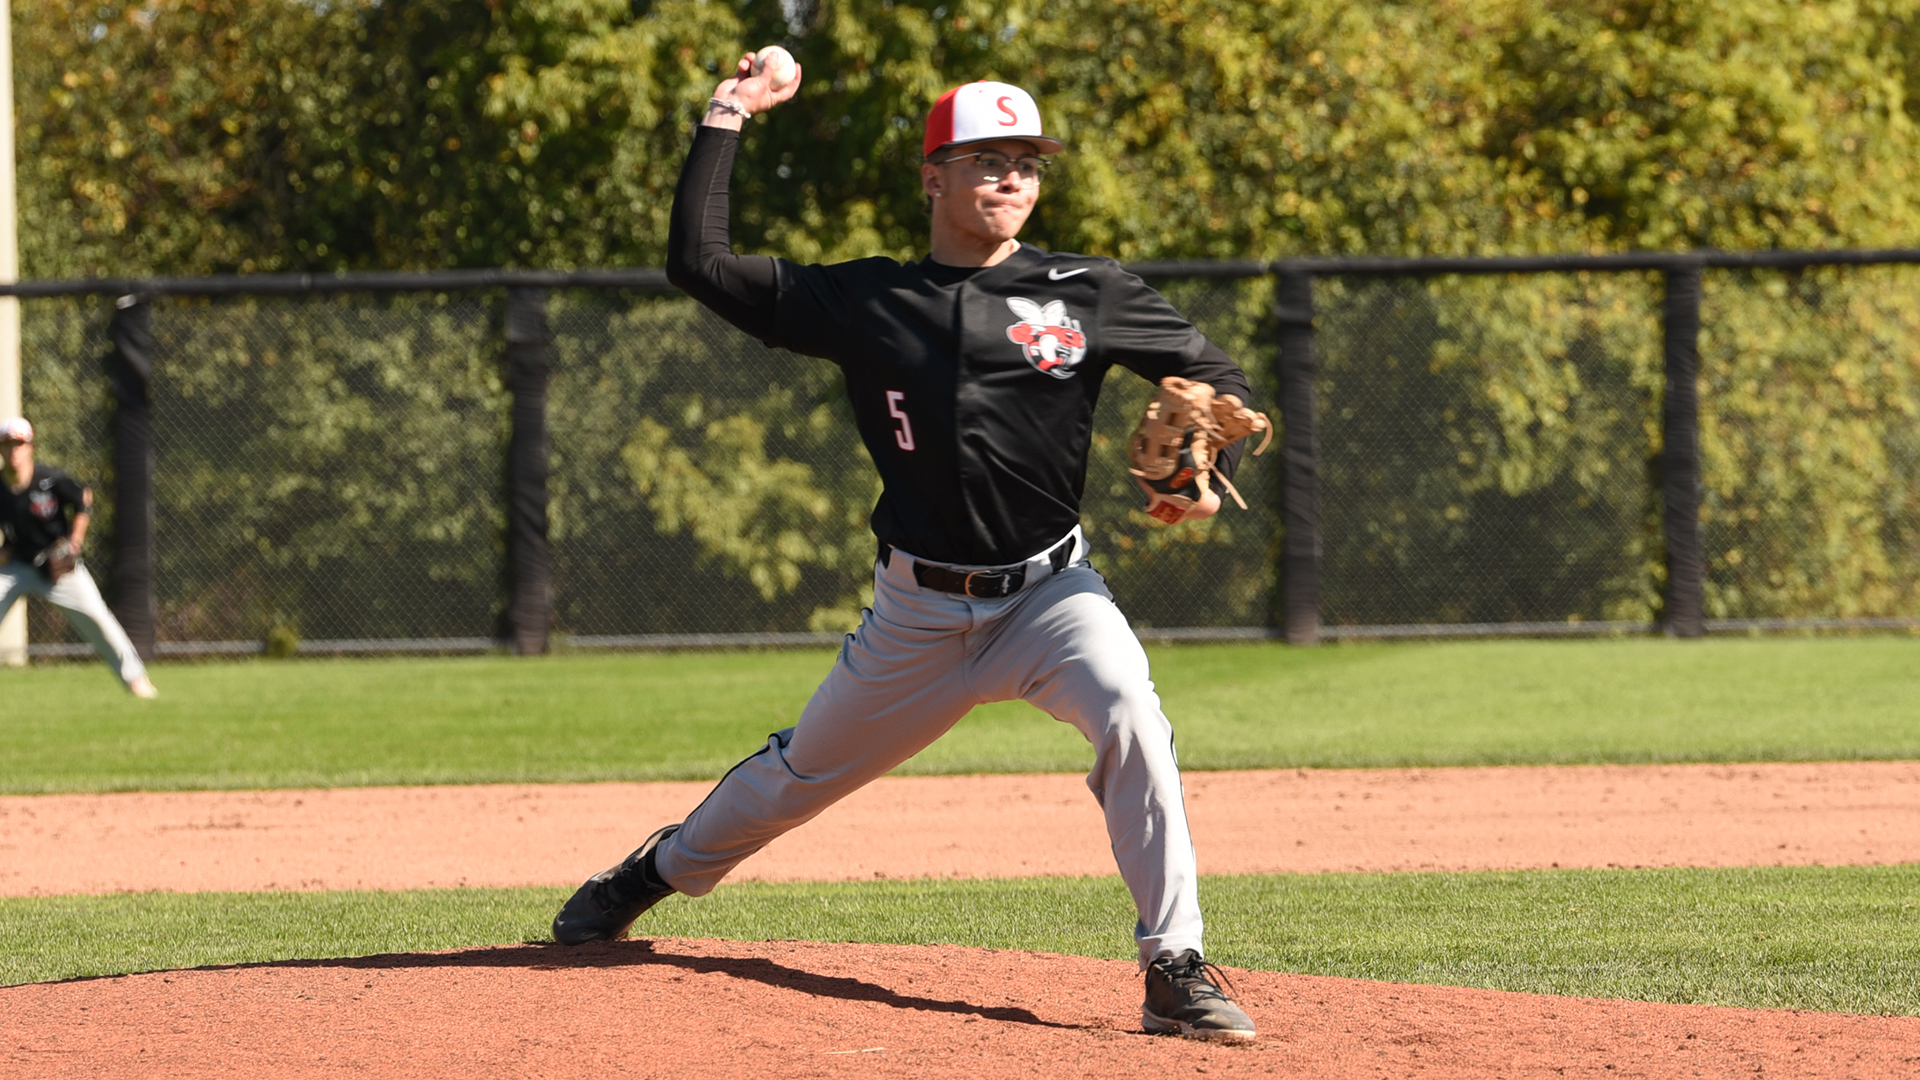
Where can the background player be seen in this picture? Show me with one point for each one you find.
(973, 376)
(44, 514)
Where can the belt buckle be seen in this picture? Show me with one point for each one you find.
(1008, 582)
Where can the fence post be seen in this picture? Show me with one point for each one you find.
(529, 558)
(130, 369)
(1680, 457)
(1300, 458)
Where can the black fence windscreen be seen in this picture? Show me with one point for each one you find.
(333, 466)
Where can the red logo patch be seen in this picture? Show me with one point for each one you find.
(1050, 340)
(1006, 110)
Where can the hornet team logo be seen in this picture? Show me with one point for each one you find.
(1049, 340)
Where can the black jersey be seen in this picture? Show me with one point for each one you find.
(37, 517)
(973, 388)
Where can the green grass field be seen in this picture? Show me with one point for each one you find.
(1842, 939)
(690, 716)
(1818, 938)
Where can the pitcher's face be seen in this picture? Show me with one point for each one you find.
(984, 189)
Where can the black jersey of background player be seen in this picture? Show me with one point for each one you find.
(37, 517)
(973, 387)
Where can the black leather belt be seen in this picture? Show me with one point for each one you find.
(987, 584)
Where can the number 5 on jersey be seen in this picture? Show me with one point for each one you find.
(904, 434)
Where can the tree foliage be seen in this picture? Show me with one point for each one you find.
(183, 136)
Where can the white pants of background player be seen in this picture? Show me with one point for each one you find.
(79, 598)
(920, 660)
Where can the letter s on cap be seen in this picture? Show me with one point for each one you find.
(1006, 110)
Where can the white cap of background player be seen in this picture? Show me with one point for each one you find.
(16, 429)
(980, 111)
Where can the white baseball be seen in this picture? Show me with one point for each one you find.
(776, 64)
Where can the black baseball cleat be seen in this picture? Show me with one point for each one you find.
(607, 904)
(1184, 998)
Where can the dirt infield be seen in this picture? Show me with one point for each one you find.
(795, 1009)
(975, 826)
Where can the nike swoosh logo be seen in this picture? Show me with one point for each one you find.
(1062, 275)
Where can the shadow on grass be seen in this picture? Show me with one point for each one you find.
(546, 956)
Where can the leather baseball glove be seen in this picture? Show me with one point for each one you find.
(1173, 450)
(57, 561)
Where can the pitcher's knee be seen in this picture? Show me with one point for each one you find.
(1131, 722)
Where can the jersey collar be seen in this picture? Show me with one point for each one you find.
(1023, 258)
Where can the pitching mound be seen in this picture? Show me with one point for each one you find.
(798, 1009)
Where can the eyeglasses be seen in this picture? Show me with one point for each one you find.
(993, 165)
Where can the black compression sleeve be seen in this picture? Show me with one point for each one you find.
(700, 258)
(1217, 370)
(71, 493)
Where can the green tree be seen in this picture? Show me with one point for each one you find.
(184, 136)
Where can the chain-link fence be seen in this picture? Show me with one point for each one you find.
(1487, 451)
(1484, 450)
(1810, 443)
(330, 466)
(705, 484)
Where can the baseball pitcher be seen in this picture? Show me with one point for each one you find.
(973, 375)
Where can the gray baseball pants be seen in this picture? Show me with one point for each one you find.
(79, 598)
(920, 660)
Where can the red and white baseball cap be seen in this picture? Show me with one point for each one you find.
(980, 111)
(16, 429)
